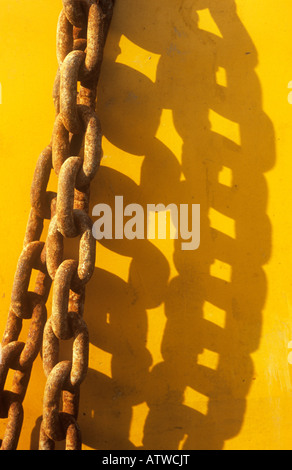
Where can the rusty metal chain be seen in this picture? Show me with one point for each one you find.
(74, 154)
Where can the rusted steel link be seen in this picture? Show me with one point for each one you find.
(95, 43)
(71, 401)
(13, 328)
(79, 44)
(43, 205)
(54, 248)
(56, 91)
(68, 91)
(92, 145)
(64, 37)
(20, 383)
(63, 280)
(57, 381)
(14, 357)
(14, 413)
(76, 11)
(35, 335)
(42, 286)
(11, 359)
(34, 228)
(81, 199)
(87, 249)
(41, 199)
(71, 431)
(78, 330)
(34, 339)
(99, 25)
(65, 199)
(60, 144)
(33, 256)
(56, 425)
(19, 356)
(9, 355)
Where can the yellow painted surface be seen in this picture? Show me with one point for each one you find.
(189, 350)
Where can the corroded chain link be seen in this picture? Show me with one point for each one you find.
(74, 155)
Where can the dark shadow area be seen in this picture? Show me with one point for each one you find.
(35, 434)
(130, 107)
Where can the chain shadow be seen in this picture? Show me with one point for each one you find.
(130, 107)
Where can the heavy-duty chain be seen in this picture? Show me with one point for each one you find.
(74, 154)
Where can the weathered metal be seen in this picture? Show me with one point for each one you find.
(81, 33)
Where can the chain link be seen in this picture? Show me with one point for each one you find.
(74, 154)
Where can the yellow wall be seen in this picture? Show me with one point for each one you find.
(188, 350)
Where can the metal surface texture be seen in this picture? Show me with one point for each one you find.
(74, 155)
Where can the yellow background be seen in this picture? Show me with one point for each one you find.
(189, 350)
